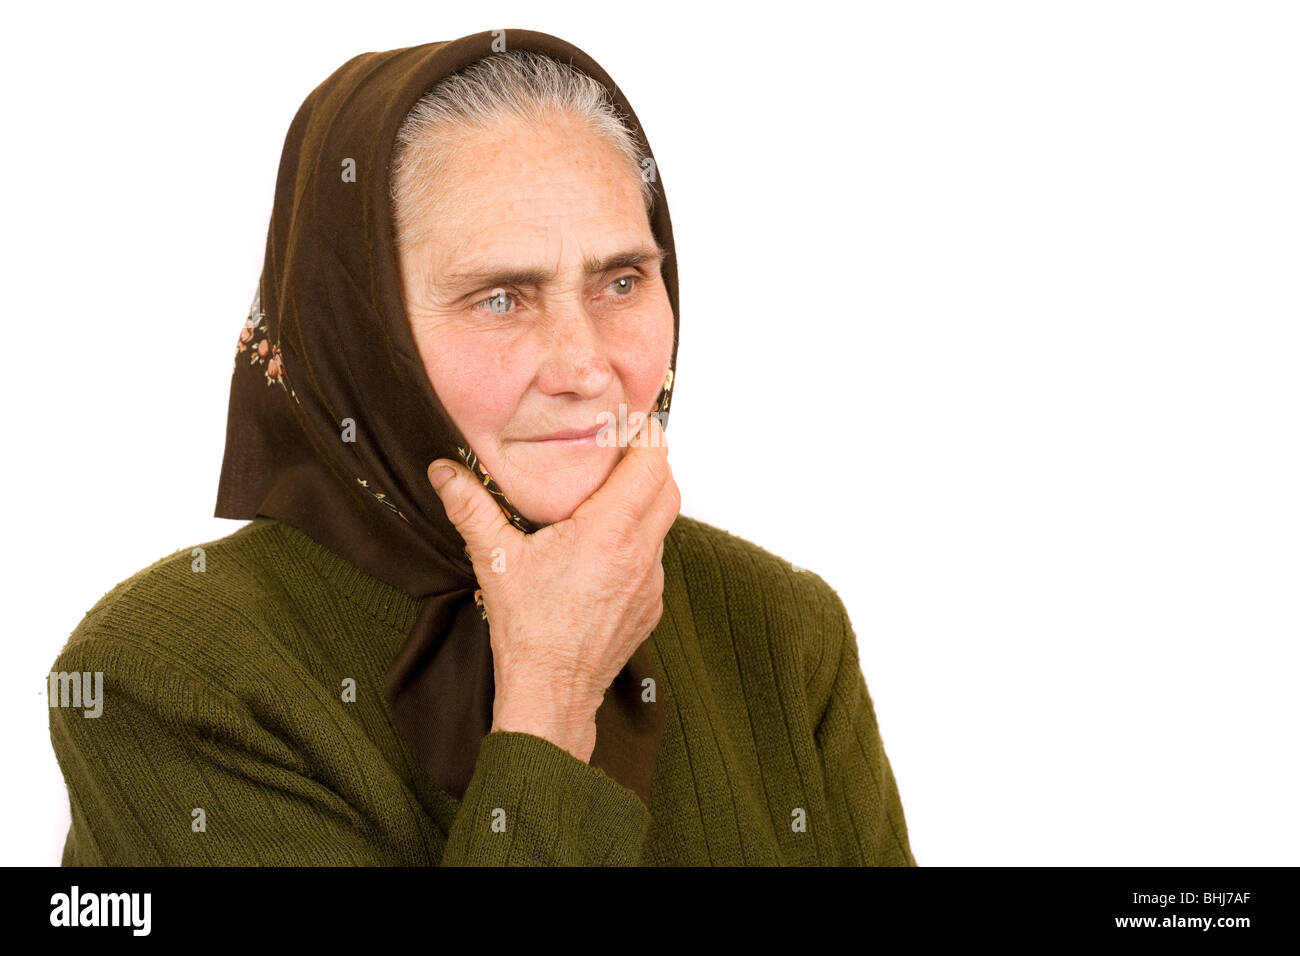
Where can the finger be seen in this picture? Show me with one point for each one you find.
(643, 428)
(663, 511)
(629, 492)
(472, 509)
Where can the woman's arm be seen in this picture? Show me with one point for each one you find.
(178, 771)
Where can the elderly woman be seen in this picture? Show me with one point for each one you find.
(466, 623)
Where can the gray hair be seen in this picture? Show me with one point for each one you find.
(517, 84)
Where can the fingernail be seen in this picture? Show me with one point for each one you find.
(440, 475)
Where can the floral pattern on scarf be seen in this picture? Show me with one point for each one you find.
(254, 338)
(383, 499)
(262, 351)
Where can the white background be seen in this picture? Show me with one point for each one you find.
(990, 318)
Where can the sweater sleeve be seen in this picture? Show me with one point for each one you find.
(178, 771)
(866, 811)
(532, 803)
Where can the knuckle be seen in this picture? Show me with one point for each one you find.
(656, 469)
(461, 512)
(626, 511)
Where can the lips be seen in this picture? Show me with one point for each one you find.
(568, 434)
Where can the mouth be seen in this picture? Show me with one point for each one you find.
(570, 436)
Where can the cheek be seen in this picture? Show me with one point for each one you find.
(647, 355)
(473, 381)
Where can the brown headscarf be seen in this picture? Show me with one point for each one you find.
(327, 341)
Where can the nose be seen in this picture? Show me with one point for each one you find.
(575, 360)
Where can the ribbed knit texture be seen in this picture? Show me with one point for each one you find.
(223, 690)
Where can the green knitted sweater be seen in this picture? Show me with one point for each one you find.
(227, 734)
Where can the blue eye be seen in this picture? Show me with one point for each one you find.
(496, 302)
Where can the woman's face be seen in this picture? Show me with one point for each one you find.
(530, 309)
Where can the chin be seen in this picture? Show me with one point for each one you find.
(558, 496)
(549, 515)
(548, 509)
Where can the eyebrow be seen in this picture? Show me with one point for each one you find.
(506, 275)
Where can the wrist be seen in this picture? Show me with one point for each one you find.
(572, 729)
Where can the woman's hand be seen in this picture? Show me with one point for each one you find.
(569, 605)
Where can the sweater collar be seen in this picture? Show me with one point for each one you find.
(390, 605)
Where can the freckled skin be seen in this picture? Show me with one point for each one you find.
(561, 352)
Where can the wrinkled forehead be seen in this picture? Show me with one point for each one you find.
(515, 179)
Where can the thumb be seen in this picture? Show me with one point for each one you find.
(469, 506)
